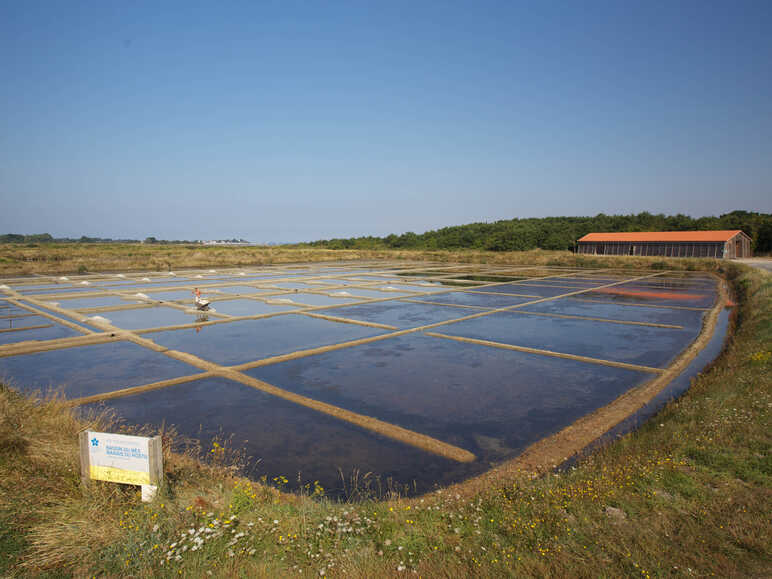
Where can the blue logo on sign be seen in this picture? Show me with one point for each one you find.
(94, 441)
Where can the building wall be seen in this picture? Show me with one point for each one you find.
(650, 248)
(738, 246)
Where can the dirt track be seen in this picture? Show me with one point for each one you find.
(762, 263)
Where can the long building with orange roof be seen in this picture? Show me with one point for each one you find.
(721, 244)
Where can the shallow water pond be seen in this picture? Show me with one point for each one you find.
(88, 370)
(248, 340)
(401, 314)
(312, 299)
(248, 307)
(97, 302)
(277, 438)
(55, 331)
(154, 317)
(579, 307)
(491, 402)
(643, 345)
(491, 301)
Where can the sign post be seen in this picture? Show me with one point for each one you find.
(120, 458)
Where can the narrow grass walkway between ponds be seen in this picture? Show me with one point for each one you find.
(686, 495)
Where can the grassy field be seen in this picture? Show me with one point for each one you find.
(53, 258)
(686, 495)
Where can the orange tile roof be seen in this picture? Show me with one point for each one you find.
(663, 236)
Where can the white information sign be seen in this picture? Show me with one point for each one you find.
(120, 458)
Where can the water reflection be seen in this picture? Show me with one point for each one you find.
(492, 402)
(277, 437)
(647, 346)
(245, 341)
(88, 370)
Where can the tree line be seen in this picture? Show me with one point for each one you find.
(558, 233)
(48, 238)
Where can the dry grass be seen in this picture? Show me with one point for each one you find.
(17, 259)
(40, 475)
(48, 520)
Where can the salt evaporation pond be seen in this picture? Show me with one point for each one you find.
(305, 394)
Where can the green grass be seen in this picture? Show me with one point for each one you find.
(686, 495)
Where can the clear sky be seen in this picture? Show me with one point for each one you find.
(289, 121)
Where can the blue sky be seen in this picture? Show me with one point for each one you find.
(287, 121)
